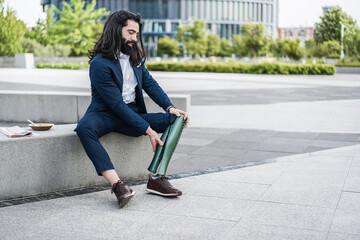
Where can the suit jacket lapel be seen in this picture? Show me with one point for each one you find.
(119, 79)
(138, 76)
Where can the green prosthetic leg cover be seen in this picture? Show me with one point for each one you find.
(159, 152)
(171, 142)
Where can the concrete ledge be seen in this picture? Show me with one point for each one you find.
(55, 160)
(60, 107)
(348, 70)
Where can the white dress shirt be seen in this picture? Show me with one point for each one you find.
(129, 79)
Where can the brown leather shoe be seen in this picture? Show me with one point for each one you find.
(122, 192)
(161, 186)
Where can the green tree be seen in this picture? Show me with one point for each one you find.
(331, 49)
(292, 49)
(12, 31)
(193, 38)
(255, 39)
(213, 45)
(277, 48)
(225, 48)
(168, 45)
(329, 27)
(76, 26)
(239, 47)
(352, 43)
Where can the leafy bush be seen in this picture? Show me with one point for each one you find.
(32, 46)
(263, 68)
(63, 65)
(353, 64)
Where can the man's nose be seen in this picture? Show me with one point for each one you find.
(133, 38)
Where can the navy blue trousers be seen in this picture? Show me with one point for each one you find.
(97, 124)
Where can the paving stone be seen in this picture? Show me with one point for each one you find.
(244, 176)
(255, 155)
(283, 145)
(177, 155)
(218, 208)
(208, 133)
(346, 137)
(297, 135)
(244, 191)
(244, 135)
(322, 163)
(306, 195)
(195, 141)
(340, 236)
(286, 148)
(353, 180)
(165, 226)
(314, 149)
(263, 96)
(350, 200)
(330, 144)
(305, 179)
(219, 152)
(200, 162)
(11, 231)
(185, 148)
(86, 217)
(346, 221)
(266, 232)
(289, 215)
(232, 145)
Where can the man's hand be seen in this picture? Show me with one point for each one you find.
(154, 138)
(177, 113)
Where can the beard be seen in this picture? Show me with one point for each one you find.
(125, 48)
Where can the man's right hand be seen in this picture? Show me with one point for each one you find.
(154, 138)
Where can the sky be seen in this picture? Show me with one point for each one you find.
(292, 13)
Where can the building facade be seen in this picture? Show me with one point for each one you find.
(162, 17)
(293, 33)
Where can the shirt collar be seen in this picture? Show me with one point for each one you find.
(124, 56)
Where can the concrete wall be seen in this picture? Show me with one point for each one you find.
(60, 107)
(9, 62)
(54, 160)
(348, 70)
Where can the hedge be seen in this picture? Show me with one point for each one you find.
(354, 64)
(63, 65)
(263, 68)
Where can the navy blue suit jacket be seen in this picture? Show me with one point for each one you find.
(106, 91)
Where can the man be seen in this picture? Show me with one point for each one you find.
(118, 76)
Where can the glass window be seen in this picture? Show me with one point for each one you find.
(174, 26)
(219, 10)
(225, 15)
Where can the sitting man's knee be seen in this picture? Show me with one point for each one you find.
(82, 129)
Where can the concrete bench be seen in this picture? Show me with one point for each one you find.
(60, 107)
(54, 160)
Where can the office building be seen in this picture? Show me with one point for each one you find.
(162, 17)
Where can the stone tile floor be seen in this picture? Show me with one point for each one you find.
(301, 196)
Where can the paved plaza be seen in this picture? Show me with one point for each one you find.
(265, 157)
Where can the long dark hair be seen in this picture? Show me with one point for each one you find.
(109, 43)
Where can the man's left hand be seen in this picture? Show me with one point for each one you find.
(178, 112)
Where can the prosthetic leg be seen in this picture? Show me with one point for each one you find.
(163, 154)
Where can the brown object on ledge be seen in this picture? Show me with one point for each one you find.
(41, 126)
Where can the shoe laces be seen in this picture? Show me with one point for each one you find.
(115, 186)
(166, 181)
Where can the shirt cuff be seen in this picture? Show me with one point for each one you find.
(168, 108)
